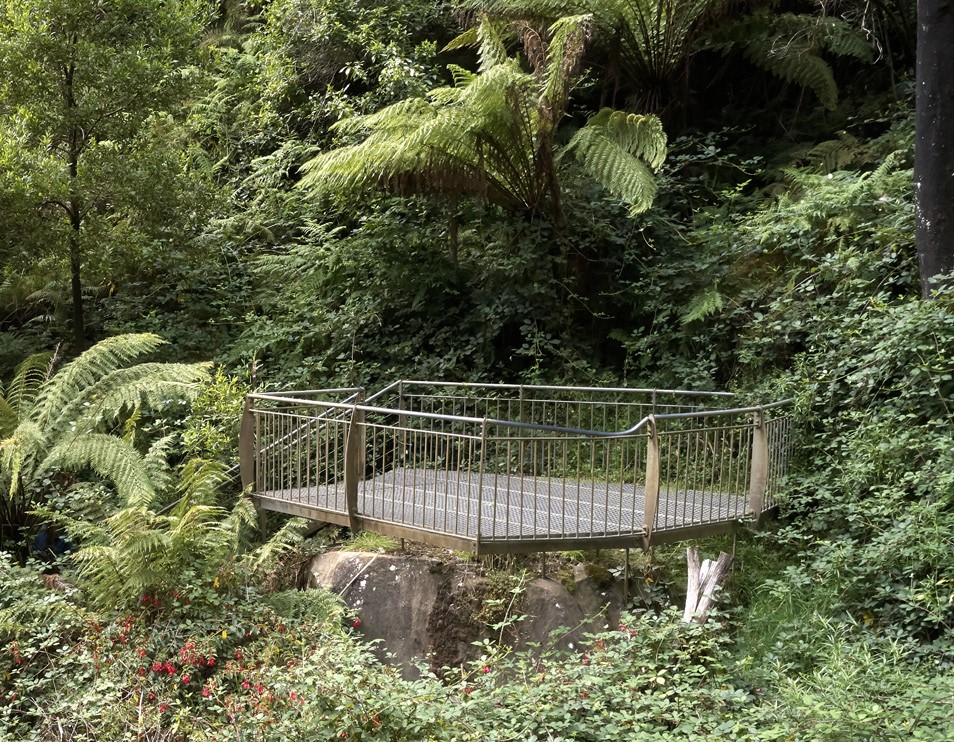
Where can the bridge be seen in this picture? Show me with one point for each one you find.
(500, 468)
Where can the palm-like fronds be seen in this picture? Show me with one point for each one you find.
(618, 149)
(492, 135)
(64, 421)
(790, 46)
(652, 40)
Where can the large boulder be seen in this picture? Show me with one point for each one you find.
(425, 611)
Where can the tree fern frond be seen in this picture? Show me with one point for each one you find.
(8, 418)
(795, 62)
(838, 37)
(618, 149)
(462, 77)
(28, 377)
(788, 46)
(493, 48)
(103, 358)
(568, 37)
(200, 481)
(265, 556)
(463, 40)
(20, 451)
(127, 389)
(110, 457)
(156, 462)
(835, 154)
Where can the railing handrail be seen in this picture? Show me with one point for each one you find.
(364, 407)
(548, 387)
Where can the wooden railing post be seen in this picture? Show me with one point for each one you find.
(247, 446)
(758, 478)
(651, 500)
(354, 463)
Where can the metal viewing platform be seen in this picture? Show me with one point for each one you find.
(498, 468)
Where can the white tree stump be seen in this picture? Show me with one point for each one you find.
(704, 581)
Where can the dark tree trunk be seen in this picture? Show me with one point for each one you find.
(76, 218)
(934, 143)
(76, 286)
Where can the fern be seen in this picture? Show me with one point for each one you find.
(492, 135)
(789, 45)
(63, 421)
(707, 303)
(103, 358)
(617, 149)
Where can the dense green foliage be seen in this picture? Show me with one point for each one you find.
(464, 217)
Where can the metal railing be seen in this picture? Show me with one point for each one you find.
(496, 467)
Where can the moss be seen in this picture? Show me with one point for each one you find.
(599, 574)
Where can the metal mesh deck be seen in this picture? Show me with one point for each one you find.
(515, 507)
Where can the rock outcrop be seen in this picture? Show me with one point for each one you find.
(422, 610)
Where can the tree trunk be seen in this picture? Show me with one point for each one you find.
(76, 217)
(934, 144)
(76, 286)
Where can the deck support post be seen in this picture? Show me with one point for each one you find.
(651, 500)
(248, 455)
(758, 477)
(247, 446)
(354, 464)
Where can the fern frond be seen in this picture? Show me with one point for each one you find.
(28, 377)
(110, 457)
(20, 452)
(265, 556)
(462, 77)
(463, 40)
(788, 46)
(103, 358)
(200, 481)
(491, 35)
(835, 154)
(8, 418)
(618, 149)
(156, 462)
(127, 389)
(568, 37)
(838, 37)
(708, 302)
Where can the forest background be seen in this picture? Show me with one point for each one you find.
(307, 193)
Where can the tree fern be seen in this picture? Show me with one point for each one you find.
(65, 420)
(789, 46)
(492, 135)
(78, 375)
(702, 305)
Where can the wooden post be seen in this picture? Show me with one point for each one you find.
(354, 465)
(758, 478)
(651, 499)
(703, 582)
